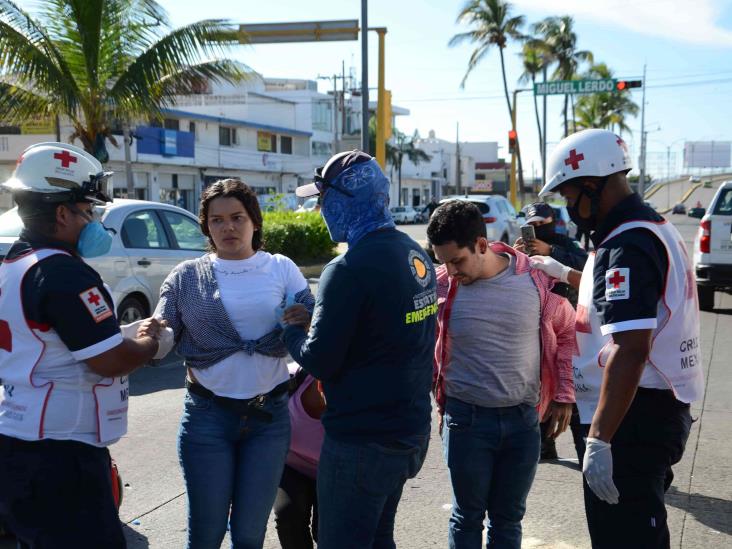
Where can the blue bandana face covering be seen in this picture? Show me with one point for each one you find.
(94, 240)
(349, 218)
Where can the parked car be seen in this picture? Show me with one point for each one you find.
(678, 209)
(694, 179)
(403, 214)
(310, 205)
(708, 184)
(149, 239)
(500, 218)
(713, 248)
(697, 212)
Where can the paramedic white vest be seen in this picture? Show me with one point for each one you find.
(675, 358)
(36, 368)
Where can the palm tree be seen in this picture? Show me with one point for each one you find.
(611, 108)
(492, 25)
(406, 146)
(104, 62)
(560, 41)
(534, 60)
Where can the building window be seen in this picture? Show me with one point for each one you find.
(192, 127)
(9, 130)
(267, 142)
(285, 144)
(323, 116)
(480, 177)
(227, 136)
(321, 148)
(171, 124)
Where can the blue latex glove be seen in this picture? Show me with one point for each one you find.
(280, 310)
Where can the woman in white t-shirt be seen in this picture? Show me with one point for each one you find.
(224, 309)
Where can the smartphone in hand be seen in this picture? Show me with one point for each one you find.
(528, 235)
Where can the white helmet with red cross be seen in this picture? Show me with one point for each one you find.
(58, 172)
(596, 153)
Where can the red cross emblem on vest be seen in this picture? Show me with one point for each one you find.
(65, 158)
(574, 159)
(617, 279)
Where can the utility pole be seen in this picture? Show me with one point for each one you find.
(128, 162)
(364, 77)
(343, 97)
(642, 178)
(458, 174)
(543, 145)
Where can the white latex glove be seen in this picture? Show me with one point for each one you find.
(598, 470)
(166, 342)
(129, 331)
(551, 267)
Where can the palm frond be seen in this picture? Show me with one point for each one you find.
(174, 53)
(18, 105)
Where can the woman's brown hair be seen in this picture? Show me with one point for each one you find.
(232, 188)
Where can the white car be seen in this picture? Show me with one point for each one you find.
(500, 218)
(309, 205)
(149, 239)
(403, 214)
(713, 248)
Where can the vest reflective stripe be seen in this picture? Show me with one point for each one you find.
(23, 399)
(675, 351)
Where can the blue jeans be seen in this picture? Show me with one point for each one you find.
(231, 463)
(492, 454)
(359, 487)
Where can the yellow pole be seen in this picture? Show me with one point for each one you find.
(380, 106)
(513, 198)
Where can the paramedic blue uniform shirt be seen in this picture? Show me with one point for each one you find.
(630, 269)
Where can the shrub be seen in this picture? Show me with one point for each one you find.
(303, 237)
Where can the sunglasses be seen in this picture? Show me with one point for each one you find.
(322, 185)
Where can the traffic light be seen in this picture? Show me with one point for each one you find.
(512, 141)
(627, 84)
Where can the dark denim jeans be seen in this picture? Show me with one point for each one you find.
(359, 487)
(651, 438)
(231, 462)
(492, 455)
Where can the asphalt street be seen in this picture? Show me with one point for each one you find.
(699, 502)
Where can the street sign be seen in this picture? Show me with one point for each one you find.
(310, 31)
(573, 87)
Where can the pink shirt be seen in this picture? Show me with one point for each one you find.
(558, 343)
(307, 435)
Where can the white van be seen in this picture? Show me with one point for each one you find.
(713, 248)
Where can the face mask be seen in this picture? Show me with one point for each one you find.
(587, 223)
(545, 232)
(94, 240)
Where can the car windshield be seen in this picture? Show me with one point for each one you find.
(10, 223)
(482, 206)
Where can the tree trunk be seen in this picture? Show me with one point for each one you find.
(399, 187)
(566, 122)
(574, 117)
(510, 114)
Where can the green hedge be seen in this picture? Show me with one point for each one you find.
(303, 237)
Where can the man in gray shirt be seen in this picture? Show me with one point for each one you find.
(504, 357)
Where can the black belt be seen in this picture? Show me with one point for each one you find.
(242, 406)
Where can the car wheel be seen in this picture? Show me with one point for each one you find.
(131, 310)
(706, 298)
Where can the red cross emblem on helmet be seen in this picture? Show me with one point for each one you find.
(574, 159)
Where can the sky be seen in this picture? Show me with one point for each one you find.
(686, 47)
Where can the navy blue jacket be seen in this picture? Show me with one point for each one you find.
(372, 339)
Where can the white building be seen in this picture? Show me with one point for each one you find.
(269, 133)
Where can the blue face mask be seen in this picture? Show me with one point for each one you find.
(94, 240)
